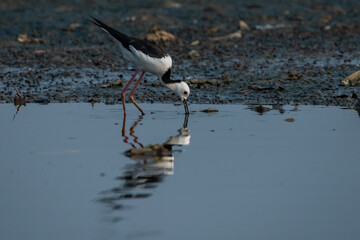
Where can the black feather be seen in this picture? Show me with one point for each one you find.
(166, 77)
(140, 45)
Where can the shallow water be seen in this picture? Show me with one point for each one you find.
(236, 175)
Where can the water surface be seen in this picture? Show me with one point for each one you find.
(290, 173)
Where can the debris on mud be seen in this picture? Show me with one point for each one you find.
(193, 54)
(72, 27)
(23, 38)
(352, 80)
(159, 36)
(209, 110)
(243, 25)
(113, 85)
(289, 120)
(259, 109)
(19, 100)
(237, 34)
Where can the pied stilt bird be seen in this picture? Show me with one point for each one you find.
(146, 57)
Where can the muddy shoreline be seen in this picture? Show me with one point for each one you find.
(291, 53)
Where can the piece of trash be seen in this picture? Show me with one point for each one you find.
(196, 42)
(289, 120)
(39, 51)
(243, 25)
(113, 85)
(72, 27)
(269, 26)
(158, 36)
(352, 80)
(209, 110)
(237, 34)
(193, 54)
(23, 38)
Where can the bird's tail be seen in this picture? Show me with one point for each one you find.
(100, 24)
(123, 38)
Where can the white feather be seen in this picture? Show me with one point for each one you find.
(157, 66)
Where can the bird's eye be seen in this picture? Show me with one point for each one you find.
(185, 92)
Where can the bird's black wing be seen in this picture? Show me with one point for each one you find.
(140, 45)
(147, 48)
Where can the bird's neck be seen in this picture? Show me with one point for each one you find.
(174, 86)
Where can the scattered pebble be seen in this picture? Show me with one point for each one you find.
(23, 38)
(234, 35)
(193, 54)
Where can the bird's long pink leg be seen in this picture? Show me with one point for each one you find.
(131, 96)
(125, 88)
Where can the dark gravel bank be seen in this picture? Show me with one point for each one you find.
(292, 52)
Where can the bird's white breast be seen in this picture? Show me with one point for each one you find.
(157, 66)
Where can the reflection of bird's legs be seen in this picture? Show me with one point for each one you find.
(17, 110)
(132, 130)
(126, 138)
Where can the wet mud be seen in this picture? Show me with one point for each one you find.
(251, 52)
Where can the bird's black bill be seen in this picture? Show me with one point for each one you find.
(186, 107)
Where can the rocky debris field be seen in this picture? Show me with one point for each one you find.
(251, 52)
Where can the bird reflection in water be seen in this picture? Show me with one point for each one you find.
(151, 164)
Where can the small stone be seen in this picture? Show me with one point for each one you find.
(293, 76)
(196, 42)
(289, 120)
(325, 19)
(209, 110)
(193, 54)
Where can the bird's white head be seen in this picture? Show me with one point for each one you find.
(180, 88)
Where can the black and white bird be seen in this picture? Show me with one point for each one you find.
(146, 57)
